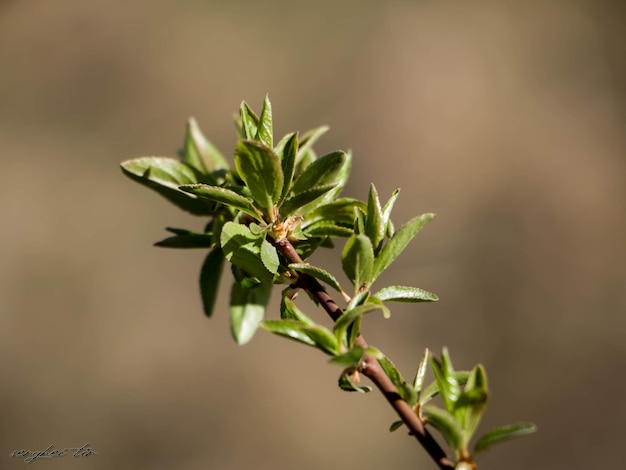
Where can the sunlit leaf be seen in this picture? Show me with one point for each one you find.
(259, 167)
(165, 175)
(247, 308)
(249, 121)
(374, 223)
(320, 173)
(357, 260)
(223, 196)
(405, 294)
(398, 243)
(265, 129)
(299, 200)
(317, 273)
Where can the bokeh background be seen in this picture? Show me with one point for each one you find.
(505, 118)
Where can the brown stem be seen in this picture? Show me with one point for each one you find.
(371, 368)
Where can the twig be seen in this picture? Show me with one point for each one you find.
(371, 369)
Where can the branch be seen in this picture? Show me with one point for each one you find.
(371, 368)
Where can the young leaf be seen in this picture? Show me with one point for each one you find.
(398, 243)
(210, 275)
(446, 382)
(350, 316)
(269, 256)
(265, 130)
(324, 339)
(299, 200)
(472, 401)
(387, 213)
(287, 154)
(242, 248)
(405, 294)
(327, 230)
(418, 381)
(259, 167)
(374, 223)
(247, 308)
(445, 423)
(340, 212)
(317, 273)
(223, 196)
(288, 328)
(346, 384)
(249, 121)
(320, 173)
(199, 152)
(165, 175)
(350, 359)
(391, 370)
(289, 311)
(357, 260)
(502, 434)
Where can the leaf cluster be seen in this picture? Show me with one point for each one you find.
(464, 395)
(283, 194)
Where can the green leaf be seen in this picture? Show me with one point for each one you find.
(340, 212)
(291, 329)
(405, 294)
(299, 200)
(223, 196)
(199, 152)
(320, 173)
(472, 401)
(445, 423)
(249, 121)
(287, 154)
(247, 308)
(502, 434)
(391, 370)
(324, 339)
(308, 140)
(347, 385)
(289, 311)
(165, 175)
(350, 359)
(327, 230)
(269, 257)
(317, 273)
(210, 275)
(265, 132)
(259, 167)
(418, 381)
(242, 248)
(398, 243)
(357, 260)
(396, 425)
(191, 240)
(350, 316)
(374, 223)
(446, 381)
(387, 212)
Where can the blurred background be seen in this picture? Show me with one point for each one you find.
(504, 118)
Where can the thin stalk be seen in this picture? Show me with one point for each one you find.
(371, 368)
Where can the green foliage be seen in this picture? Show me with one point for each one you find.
(268, 213)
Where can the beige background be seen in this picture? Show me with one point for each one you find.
(504, 118)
